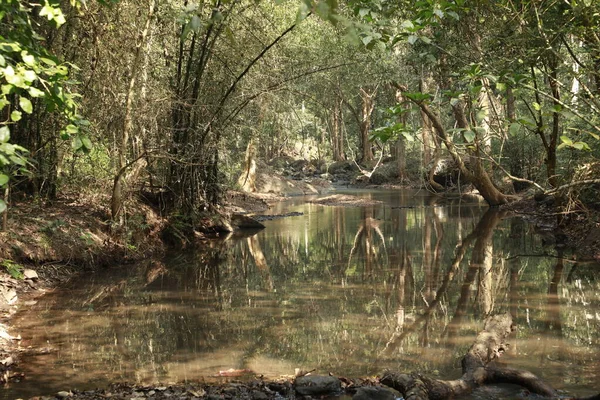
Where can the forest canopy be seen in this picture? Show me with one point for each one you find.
(166, 96)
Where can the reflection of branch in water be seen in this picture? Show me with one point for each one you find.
(482, 233)
(366, 226)
(553, 322)
(399, 336)
(260, 260)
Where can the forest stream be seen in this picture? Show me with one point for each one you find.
(404, 284)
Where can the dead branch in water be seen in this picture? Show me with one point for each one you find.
(478, 370)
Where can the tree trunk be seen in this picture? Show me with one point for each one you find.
(368, 104)
(247, 180)
(120, 181)
(476, 175)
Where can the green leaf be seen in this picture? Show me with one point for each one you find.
(3, 179)
(536, 106)
(16, 116)
(480, 116)
(4, 134)
(407, 135)
(363, 11)
(29, 75)
(412, 39)
(2, 206)
(25, 105)
(408, 25)
(7, 148)
(35, 92)
(195, 23)
(72, 129)
(514, 128)
(76, 144)
(48, 61)
(453, 15)
(18, 160)
(6, 89)
(566, 140)
(28, 58)
(527, 122)
(469, 136)
(87, 143)
(2, 61)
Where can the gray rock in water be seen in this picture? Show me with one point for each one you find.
(374, 393)
(317, 385)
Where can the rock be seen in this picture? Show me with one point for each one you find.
(280, 388)
(317, 385)
(258, 395)
(373, 393)
(30, 283)
(244, 222)
(63, 394)
(11, 296)
(30, 274)
(7, 361)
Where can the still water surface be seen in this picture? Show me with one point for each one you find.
(403, 285)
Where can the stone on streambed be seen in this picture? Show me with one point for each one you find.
(313, 385)
(30, 274)
(373, 393)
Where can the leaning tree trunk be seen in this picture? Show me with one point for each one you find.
(476, 174)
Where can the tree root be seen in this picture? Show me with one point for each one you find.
(489, 345)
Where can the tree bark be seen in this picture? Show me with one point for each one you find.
(476, 174)
(120, 182)
(368, 105)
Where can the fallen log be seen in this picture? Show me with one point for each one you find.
(477, 367)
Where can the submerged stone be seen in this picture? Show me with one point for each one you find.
(373, 393)
(317, 385)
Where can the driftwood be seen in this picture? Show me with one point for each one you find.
(477, 367)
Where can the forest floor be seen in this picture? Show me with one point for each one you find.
(47, 244)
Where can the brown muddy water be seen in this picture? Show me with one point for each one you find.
(351, 291)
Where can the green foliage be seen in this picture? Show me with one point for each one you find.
(392, 129)
(15, 270)
(31, 77)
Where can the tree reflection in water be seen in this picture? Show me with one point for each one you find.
(346, 290)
